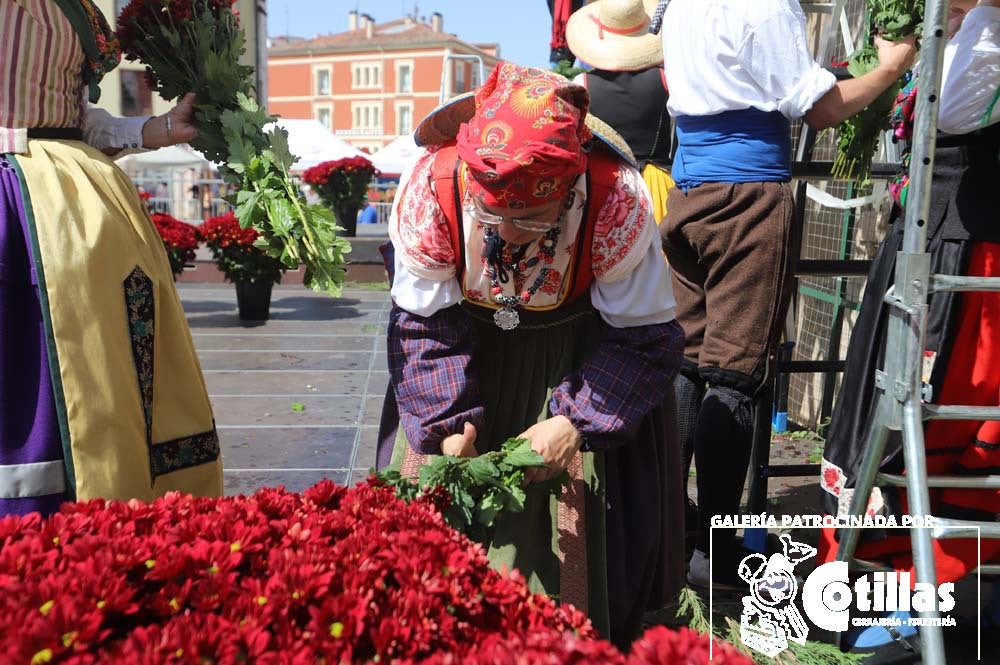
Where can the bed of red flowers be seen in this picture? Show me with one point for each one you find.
(180, 239)
(331, 575)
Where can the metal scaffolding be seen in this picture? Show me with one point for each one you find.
(901, 392)
(902, 397)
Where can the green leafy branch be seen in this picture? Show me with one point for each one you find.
(479, 489)
(297, 232)
(858, 136)
(201, 54)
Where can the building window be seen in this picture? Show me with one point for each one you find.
(404, 78)
(366, 75)
(367, 117)
(323, 115)
(475, 80)
(323, 82)
(137, 99)
(460, 77)
(404, 119)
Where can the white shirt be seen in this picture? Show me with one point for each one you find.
(729, 55)
(641, 298)
(102, 130)
(971, 73)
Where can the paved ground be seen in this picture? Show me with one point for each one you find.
(297, 398)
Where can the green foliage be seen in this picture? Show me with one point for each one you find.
(200, 53)
(247, 266)
(857, 137)
(690, 606)
(566, 68)
(479, 488)
(292, 231)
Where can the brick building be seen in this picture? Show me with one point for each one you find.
(373, 82)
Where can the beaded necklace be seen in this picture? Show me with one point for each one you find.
(507, 317)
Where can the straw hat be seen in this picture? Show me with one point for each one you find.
(614, 35)
(441, 125)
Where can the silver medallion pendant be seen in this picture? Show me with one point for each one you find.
(506, 319)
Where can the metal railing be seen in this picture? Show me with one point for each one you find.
(191, 200)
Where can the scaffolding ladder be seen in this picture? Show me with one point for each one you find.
(901, 394)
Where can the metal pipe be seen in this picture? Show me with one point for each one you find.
(941, 283)
(918, 200)
(949, 412)
(949, 528)
(919, 500)
(834, 267)
(874, 447)
(803, 366)
(964, 482)
(820, 171)
(836, 9)
(760, 451)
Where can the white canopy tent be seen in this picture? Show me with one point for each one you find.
(313, 143)
(173, 157)
(308, 139)
(393, 159)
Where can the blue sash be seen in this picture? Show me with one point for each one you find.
(748, 145)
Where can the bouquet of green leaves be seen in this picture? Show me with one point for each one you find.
(195, 46)
(857, 137)
(478, 488)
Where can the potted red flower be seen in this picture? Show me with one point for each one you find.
(244, 264)
(180, 239)
(342, 184)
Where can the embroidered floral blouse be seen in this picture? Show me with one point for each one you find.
(431, 343)
(631, 283)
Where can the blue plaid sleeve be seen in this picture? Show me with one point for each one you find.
(430, 361)
(627, 376)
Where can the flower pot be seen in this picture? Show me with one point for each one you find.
(347, 218)
(254, 300)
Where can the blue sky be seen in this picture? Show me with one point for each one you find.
(521, 27)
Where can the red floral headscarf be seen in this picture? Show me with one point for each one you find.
(524, 145)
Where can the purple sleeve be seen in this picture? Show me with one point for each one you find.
(626, 377)
(430, 368)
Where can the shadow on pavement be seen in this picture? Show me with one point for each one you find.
(199, 306)
(299, 308)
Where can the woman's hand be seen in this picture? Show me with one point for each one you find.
(461, 445)
(897, 57)
(175, 126)
(557, 441)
